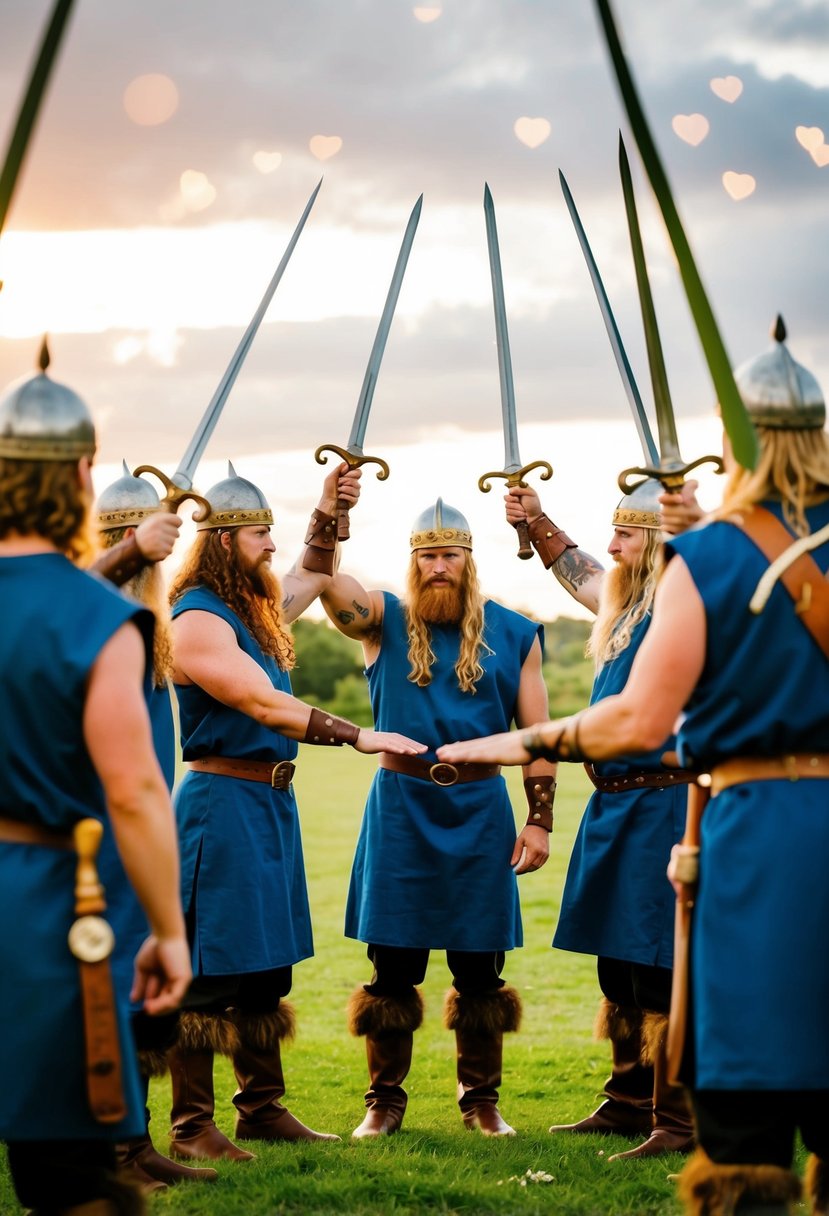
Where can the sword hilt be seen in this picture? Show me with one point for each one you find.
(176, 495)
(516, 478)
(89, 893)
(671, 477)
(353, 461)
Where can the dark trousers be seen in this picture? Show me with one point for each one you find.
(757, 1127)
(635, 985)
(399, 968)
(53, 1174)
(256, 992)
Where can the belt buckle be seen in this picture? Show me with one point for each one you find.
(278, 773)
(443, 774)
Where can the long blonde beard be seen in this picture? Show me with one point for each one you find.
(469, 615)
(626, 599)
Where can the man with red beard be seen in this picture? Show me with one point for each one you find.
(437, 857)
(244, 890)
(617, 901)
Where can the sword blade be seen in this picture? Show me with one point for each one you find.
(183, 475)
(734, 415)
(30, 106)
(358, 428)
(668, 442)
(512, 459)
(637, 408)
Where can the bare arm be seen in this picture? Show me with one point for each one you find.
(301, 586)
(118, 737)
(356, 612)
(532, 699)
(579, 573)
(640, 718)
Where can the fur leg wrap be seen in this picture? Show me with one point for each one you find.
(817, 1185)
(265, 1031)
(708, 1189)
(616, 1022)
(482, 1013)
(377, 1015)
(153, 1063)
(207, 1032)
(654, 1033)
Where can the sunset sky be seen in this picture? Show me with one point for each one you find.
(179, 143)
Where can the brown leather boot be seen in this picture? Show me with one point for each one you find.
(139, 1159)
(628, 1106)
(708, 1189)
(193, 1133)
(479, 1021)
(817, 1185)
(673, 1127)
(388, 1023)
(258, 1067)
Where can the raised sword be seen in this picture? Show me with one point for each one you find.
(353, 453)
(671, 470)
(179, 487)
(513, 471)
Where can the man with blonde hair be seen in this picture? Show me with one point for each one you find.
(437, 857)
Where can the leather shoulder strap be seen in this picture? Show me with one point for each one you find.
(803, 579)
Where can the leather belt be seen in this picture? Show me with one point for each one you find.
(436, 772)
(640, 781)
(774, 768)
(15, 831)
(278, 776)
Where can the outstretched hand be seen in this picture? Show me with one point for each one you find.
(370, 742)
(492, 749)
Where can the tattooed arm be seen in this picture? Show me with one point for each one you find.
(579, 573)
(356, 612)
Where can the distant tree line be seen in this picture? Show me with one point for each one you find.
(329, 668)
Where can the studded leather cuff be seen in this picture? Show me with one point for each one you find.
(120, 563)
(549, 541)
(321, 543)
(541, 792)
(325, 730)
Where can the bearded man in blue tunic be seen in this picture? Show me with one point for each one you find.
(243, 877)
(437, 857)
(617, 901)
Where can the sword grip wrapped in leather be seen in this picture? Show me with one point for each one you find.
(541, 792)
(548, 540)
(320, 543)
(120, 563)
(325, 730)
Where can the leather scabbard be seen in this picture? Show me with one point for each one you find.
(104, 1084)
(680, 981)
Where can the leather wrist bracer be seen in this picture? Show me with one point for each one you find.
(321, 543)
(120, 563)
(548, 540)
(541, 792)
(565, 746)
(325, 730)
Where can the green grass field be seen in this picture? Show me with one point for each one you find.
(552, 1068)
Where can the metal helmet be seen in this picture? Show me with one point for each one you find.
(235, 502)
(641, 508)
(43, 420)
(125, 502)
(439, 527)
(777, 391)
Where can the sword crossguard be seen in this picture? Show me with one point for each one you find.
(176, 495)
(672, 478)
(353, 461)
(515, 477)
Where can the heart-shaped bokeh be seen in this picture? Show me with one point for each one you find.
(821, 155)
(427, 13)
(267, 162)
(196, 190)
(809, 137)
(532, 131)
(727, 88)
(325, 146)
(738, 185)
(693, 128)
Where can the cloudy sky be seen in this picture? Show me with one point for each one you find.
(180, 142)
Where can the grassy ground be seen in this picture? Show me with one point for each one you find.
(553, 1068)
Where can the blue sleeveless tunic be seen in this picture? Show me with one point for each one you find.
(760, 976)
(617, 901)
(56, 620)
(242, 870)
(432, 866)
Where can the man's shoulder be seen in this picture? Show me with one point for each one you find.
(519, 620)
(200, 599)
